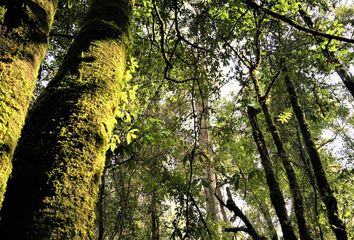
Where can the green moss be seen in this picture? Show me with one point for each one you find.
(2, 14)
(21, 55)
(60, 158)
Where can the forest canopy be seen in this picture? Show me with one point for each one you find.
(157, 119)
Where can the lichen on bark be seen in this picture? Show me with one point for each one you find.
(60, 157)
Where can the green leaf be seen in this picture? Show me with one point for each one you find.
(285, 116)
(132, 135)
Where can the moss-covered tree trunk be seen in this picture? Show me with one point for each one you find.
(23, 44)
(276, 195)
(61, 154)
(290, 172)
(324, 188)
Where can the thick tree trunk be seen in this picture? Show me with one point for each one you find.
(324, 188)
(340, 68)
(23, 44)
(290, 172)
(61, 154)
(276, 195)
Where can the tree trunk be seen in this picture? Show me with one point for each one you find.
(276, 195)
(23, 44)
(326, 193)
(100, 206)
(205, 145)
(61, 154)
(155, 223)
(290, 172)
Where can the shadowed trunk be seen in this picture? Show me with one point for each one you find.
(100, 206)
(61, 154)
(290, 172)
(23, 44)
(155, 223)
(276, 195)
(324, 188)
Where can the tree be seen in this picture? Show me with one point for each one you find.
(60, 157)
(326, 193)
(195, 68)
(24, 30)
(273, 184)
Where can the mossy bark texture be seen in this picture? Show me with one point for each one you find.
(324, 188)
(60, 157)
(276, 195)
(290, 172)
(23, 44)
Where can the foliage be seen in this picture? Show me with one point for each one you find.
(184, 57)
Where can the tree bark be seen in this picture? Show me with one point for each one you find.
(155, 223)
(324, 188)
(290, 172)
(205, 144)
(61, 154)
(23, 44)
(276, 195)
(100, 206)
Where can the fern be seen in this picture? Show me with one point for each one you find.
(285, 116)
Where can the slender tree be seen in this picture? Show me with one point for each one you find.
(60, 157)
(23, 43)
(324, 188)
(290, 172)
(276, 195)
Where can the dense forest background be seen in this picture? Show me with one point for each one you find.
(157, 119)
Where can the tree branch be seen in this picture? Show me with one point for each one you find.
(230, 204)
(283, 18)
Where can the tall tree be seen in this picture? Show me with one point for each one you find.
(276, 195)
(60, 157)
(324, 188)
(24, 30)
